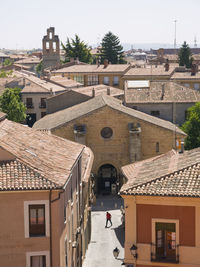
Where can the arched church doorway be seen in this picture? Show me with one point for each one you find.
(107, 178)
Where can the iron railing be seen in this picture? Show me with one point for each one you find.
(164, 257)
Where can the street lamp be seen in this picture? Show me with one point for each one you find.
(133, 250)
(116, 252)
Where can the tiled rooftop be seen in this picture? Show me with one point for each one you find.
(37, 85)
(39, 154)
(172, 92)
(62, 117)
(15, 175)
(121, 68)
(171, 174)
(185, 76)
(29, 60)
(99, 90)
(64, 81)
(150, 71)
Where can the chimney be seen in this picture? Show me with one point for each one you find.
(24, 82)
(182, 147)
(105, 63)
(167, 65)
(93, 92)
(193, 70)
(108, 91)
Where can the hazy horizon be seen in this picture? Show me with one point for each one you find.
(24, 23)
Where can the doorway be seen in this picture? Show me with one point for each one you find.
(107, 178)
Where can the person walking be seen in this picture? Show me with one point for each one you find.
(108, 219)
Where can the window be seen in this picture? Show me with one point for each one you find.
(47, 45)
(38, 261)
(196, 86)
(155, 113)
(79, 78)
(115, 80)
(106, 132)
(54, 46)
(42, 103)
(165, 237)
(93, 79)
(157, 147)
(165, 240)
(106, 80)
(29, 103)
(36, 220)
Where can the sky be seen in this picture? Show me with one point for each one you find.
(24, 22)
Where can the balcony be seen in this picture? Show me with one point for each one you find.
(29, 105)
(42, 105)
(164, 254)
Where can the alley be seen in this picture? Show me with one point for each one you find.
(104, 240)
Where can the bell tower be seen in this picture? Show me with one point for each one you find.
(51, 49)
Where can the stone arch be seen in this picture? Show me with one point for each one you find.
(107, 178)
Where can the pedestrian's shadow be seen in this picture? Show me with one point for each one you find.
(120, 234)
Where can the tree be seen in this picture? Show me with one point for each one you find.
(39, 68)
(192, 127)
(7, 62)
(185, 58)
(111, 49)
(11, 104)
(77, 49)
(5, 74)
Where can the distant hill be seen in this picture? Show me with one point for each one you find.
(148, 46)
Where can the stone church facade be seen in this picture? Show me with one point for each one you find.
(116, 134)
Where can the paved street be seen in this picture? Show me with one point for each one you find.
(104, 240)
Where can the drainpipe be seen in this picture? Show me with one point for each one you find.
(50, 219)
(50, 194)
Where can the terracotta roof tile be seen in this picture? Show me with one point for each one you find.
(15, 175)
(150, 71)
(48, 156)
(62, 117)
(94, 68)
(173, 92)
(171, 174)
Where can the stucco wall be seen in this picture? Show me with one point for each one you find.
(139, 211)
(13, 244)
(36, 100)
(65, 100)
(185, 215)
(166, 110)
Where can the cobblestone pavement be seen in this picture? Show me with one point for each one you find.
(104, 240)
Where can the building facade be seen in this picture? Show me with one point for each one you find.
(44, 187)
(107, 74)
(117, 135)
(167, 100)
(162, 211)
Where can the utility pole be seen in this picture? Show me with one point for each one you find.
(195, 41)
(175, 34)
